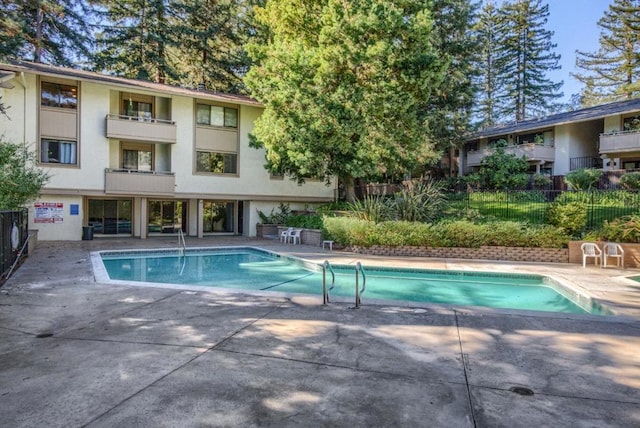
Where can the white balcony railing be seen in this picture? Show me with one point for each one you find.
(130, 182)
(141, 129)
(620, 142)
(531, 152)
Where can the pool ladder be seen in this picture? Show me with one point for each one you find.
(325, 291)
(182, 246)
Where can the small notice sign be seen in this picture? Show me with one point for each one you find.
(48, 212)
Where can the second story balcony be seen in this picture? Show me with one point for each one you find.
(134, 128)
(132, 182)
(620, 142)
(532, 152)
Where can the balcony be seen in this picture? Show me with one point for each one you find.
(129, 182)
(532, 152)
(620, 142)
(141, 129)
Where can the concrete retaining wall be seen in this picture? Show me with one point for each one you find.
(525, 254)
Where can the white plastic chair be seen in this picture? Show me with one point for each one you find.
(589, 249)
(613, 250)
(295, 236)
(285, 234)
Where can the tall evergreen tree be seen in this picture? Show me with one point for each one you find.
(491, 60)
(210, 49)
(346, 86)
(135, 39)
(53, 32)
(613, 72)
(529, 92)
(452, 37)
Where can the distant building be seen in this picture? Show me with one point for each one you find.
(135, 158)
(605, 136)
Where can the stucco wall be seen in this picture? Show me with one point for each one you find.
(68, 227)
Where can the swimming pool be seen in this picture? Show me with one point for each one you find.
(249, 268)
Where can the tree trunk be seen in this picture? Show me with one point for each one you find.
(349, 188)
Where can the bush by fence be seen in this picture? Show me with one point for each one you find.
(600, 205)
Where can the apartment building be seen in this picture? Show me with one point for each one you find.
(605, 136)
(140, 159)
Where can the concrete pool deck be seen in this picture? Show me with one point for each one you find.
(74, 352)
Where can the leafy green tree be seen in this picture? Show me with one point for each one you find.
(529, 92)
(613, 72)
(53, 32)
(135, 38)
(501, 170)
(21, 179)
(347, 87)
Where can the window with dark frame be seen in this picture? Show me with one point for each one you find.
(58, 151)
(217, 163)
(212, 115)
(58, 95)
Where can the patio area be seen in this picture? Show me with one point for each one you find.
(74, 352)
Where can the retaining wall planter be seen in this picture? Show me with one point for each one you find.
(521, 254)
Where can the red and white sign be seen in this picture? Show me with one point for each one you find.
(48, 212)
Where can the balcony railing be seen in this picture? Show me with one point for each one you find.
(131, 182)
(531, 151)
(141, 129)
(620, 142)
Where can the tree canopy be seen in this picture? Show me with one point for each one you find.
(347, 87)
(613, 72)
(516, 53)
(21, 179)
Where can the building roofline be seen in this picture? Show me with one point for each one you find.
(576, 116)
(90, 76)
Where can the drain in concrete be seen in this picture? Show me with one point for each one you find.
(521, 390)
(43, 335)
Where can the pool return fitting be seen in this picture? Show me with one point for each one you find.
(325, 291)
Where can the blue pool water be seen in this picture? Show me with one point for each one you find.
(249, 268)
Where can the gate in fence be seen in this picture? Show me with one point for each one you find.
(13, 237)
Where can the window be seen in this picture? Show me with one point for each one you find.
(54, 151)
(631, 123)
(110, 217)
(137, 157)
(218, 163)
(167, 216)
(217, 116)
(217, 216)
(138, 109)
(58, 95)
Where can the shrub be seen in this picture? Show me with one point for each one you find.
(570, 217)
(276, 217)
(370, 208)
(459, 233)
(422, 201)
(630, 180)
(583, 179)
(313, 221)
(623, 229)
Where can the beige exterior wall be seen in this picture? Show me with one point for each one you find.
(75, 184)
(66, 227)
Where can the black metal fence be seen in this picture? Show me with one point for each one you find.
(12, 240)
(531, 205)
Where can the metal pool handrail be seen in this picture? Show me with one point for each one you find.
(182, 245)
(325, 292)
(360, 269)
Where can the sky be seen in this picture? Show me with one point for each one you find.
(575, 24)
